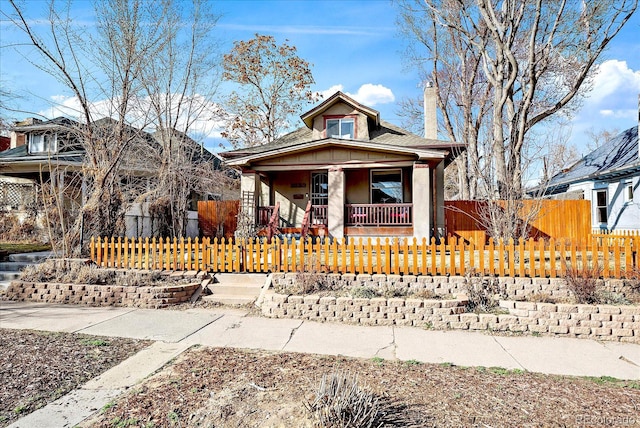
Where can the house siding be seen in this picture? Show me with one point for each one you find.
(621, 214)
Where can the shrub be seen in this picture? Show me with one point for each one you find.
(363, 293)
(483, 293)
(583, 282)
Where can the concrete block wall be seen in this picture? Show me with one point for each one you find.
(101, 295)
(515, 288)
(602, 322)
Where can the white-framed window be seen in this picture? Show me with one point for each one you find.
(43, 143)
(601, 206)
(341, 128)
(386, 186)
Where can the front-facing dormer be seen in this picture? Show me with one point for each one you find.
(341, 117)
(43, 142)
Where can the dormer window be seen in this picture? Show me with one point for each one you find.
(43, 143)
(341, 128)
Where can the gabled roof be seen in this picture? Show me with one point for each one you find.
(57, 123)
(618, 158)
(386, 134)
(307, 117)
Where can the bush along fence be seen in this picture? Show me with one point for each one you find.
(608, 256)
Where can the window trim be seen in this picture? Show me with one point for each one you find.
(599, 207)
(341, 117)
(52, 147)
(398, 170)
(628, 192)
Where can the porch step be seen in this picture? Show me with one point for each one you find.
(228, 299)
(30, 258)
(235, 288)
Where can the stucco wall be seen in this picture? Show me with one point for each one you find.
(291, 210)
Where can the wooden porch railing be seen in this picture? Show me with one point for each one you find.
(319, 214)
(379, 214)
(264, 215)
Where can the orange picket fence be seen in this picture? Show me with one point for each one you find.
(615, 256)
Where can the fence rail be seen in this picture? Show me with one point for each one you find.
(613, 256)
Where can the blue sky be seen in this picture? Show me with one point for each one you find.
(354, 46)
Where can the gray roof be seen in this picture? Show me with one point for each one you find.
(386, 133)
(617, 158)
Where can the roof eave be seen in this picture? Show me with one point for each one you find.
(422, 154)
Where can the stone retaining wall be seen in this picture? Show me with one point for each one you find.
(515, 288)
(103, 295)
(584, 321)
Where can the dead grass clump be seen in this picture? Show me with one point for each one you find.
(541, 297)
(341, 402)
(583, 282)
(138, 279)
(60, 271)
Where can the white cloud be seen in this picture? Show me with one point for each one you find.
(614, 78)
(619, 114)
(332, 90)
(368, 94)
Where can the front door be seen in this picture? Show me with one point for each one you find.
(319, 196)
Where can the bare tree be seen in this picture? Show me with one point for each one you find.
(596, 139)
(180, 83)
(536, 58)
(116, 67)
(273, 84)
(463, 94)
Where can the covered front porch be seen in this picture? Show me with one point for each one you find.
(342, 201)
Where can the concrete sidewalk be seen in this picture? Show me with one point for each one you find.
(175, 331)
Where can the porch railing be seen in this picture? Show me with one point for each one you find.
(264, 215)
(379, 214)
(319, 215)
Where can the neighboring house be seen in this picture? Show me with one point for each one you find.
(610, 178)
(357, 174)
(50, 152)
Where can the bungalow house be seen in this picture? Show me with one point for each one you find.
(50, 152)
(346, 172)
(610, 178)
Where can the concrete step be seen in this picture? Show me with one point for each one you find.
(241, 278)
(237, 289)
(35, 257)
(228, 299)
(13, 266)
(9, 275)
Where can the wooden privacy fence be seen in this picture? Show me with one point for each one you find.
(615, 256)
(218, 218)
(559, 219)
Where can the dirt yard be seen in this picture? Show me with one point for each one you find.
(240, 388)
(236, 388)
(37, 368)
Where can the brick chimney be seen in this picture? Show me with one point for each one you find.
(430, 118)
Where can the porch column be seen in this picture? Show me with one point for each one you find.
(438, 183)
(335, 208)
(421, 188)
(250, 192)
